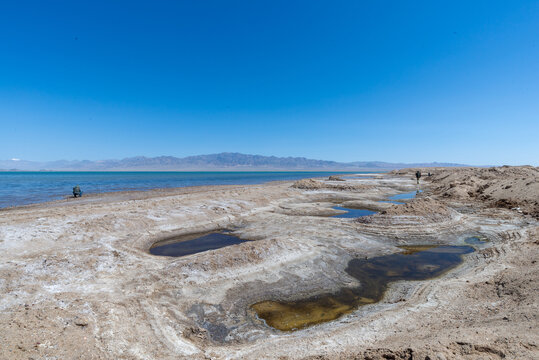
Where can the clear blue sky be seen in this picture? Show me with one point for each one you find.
(402, 81)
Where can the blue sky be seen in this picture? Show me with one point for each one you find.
(400, 81)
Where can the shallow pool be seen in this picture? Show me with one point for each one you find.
(352, 213)
(405, 196)
(374, 275)
(195, 243)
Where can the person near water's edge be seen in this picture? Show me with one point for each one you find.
(417, 175)
(77, 191)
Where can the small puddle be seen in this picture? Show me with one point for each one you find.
(476, 240)
(405, 196)
(374, 275)
(352, 213)
(194, 243)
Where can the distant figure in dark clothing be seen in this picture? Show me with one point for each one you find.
(77, 191)
(417, 175)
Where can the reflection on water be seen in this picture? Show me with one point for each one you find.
(374, 275)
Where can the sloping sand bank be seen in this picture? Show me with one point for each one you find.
(77, 280)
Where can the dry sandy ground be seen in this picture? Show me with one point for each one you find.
(77, 281)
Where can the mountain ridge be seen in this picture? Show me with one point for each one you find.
(226, 161)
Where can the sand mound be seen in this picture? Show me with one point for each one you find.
(308, 184)
(507, 187)
(512, 187)
(422, 210)
(419, 207)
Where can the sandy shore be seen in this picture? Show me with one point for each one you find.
(77, 280)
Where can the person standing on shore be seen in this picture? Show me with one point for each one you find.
(417, 175)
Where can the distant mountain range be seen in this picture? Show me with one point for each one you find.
(213, 162)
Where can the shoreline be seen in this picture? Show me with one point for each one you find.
(204, 171)
(157, 187)
(83, 275)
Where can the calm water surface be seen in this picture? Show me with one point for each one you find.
(187, 246)
(20, 188)
(352, 213)
(374, 274)
(405, 196)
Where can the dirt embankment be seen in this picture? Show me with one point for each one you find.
(423, 210)
(508, 187)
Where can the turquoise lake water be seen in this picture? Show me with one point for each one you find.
(21, 188)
